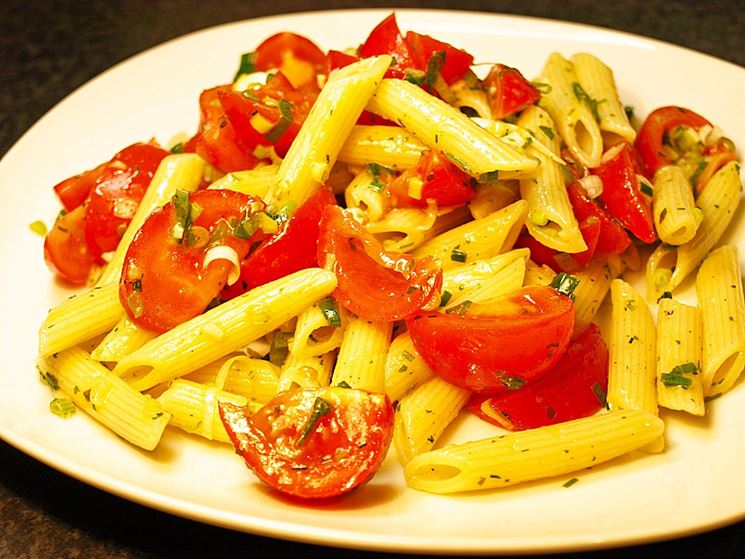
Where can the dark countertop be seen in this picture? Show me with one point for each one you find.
(47, 49)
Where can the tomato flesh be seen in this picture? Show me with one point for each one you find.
(498, 345)
(442, 182)
(164, 282)
(509, 92)
(65, 250)
(612, 239)
(575, 387)
(313, 443)
(373, 283)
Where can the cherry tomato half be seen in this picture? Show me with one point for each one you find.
(164, 281)
(313, 443)
(441, 181)
(65, 250)
(509, 92)
(498, 345)
(373, 283)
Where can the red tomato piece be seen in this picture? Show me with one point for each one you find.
(294, 247)
(65, 250)
(651, 135)
(622, 197)
(336, 59)
(442, 181)
(590, 228)
(117, 194)
(386, 38)
(273, 52)
(373, 283)
(73, 191)
(575, 387)
(455, 64)
(499, 345)
(539, 253)
(314, 443)
(509, 92)
(164, 282)
(613, 239)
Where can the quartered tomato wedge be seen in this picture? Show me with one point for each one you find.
(509, 92)
(297, 57)
(164, 279)
(73, 191)
(294, 247)
(373, 283)
(435, 178)
(575, 387)
(612, 239)
(314, 443)
(65, 250)
(386, 38)
(455, 62)
(498, 345)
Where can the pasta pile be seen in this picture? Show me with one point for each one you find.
(137, 383)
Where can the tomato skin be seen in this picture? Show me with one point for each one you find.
(336, 59)
(65, 250)
(622, 197)
(164, 283)
(497, 344)
(372, 283)
(117, 194)
(509, 92)
(651, 135)
(442, 180)
(294, 247)
(572, 389)
(386, 38)
(73, 191)
(272, 53)
(612, 238)
(423, 48)
(344, 449)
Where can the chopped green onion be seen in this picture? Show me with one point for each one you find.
(511, 382)
(629, 110)
(178, 148)
(283, 211)
(491, 176)
(582, 96)
(285, 121)
(407, 355)
(38, 227)
(565, 284)
(417, 77)
(677, 375)
(600, 394)
(182, 205)
(457, 255)
(246, 66)
(344, 384)
(330, 311)
(645, 188)
(62, 407)
(49, 379)
(570, 482)
(321, 408)
(434, 67)
(548, 131)
(445, 298)
(460, 308)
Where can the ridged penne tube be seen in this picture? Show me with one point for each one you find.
(472, 276)
(594, 284)
(720, 297)
(599, 83)
(365, 193)
(361, 359)
(493, 197)
(314, 335)
(632, 371)
(570, 108)
(423, 415)
(256, 379)
(80, 318)
(122, 340)
(225, 328)
(181, 171)
(254, 182)
(538, 275)
(443, 127)
(668, 265)
(193, 408)
(404, 367)
(306, 372)
(679, 379)
(550, 451)
(508, 279)
(313, 153)
(135, 417)
(675, 215)
(389, 146)
(404, 229)
(550, 219)
(478, 239)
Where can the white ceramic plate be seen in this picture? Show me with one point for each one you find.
(695, 485)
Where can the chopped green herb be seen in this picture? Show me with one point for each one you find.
(178, 148)
(601, 395)
(182, 205)
(548, 131)
(62, 407)
(417, 77)
(565, 284)
(279, 349)
(445, 298)
(49, 379)
(457, 255)
(582, 97)
(344, 384)
(570, 482)
(285, 121)
(460, 308)
(408, 356)
(321, 408)
(511, 382)
(491, 176)
(246, 66)
(677, 375)
(629, 110)
(665, 295)
(645, 188)
(331, 311)
(434, 67)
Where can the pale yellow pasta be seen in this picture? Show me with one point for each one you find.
(307, 372)
(404, 229)
(555, 450)
(675, 215)
(478, 239)
(422, 416)
(550, 219)
(471, 276)
(193, 408)
(404, 367)
(122, 340)
(679, 379)
(594, 284)
(80, 318)
(598, 82)
(720, 297)
(313, 152)
(443, 127)
(669, 265)
(225, 328)
(469, 92)
(569, 107)
(492, 197)
(254, 182)
(365, 197)
(538, 275)
(255, 379)
(632, 372)
(135, 417)
(508, 279)
(313, 334)
(361, 359)
(388, 146)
